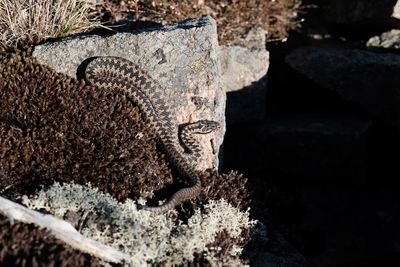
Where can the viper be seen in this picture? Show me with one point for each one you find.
(122, 76)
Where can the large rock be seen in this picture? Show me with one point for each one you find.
(243, 74)
(345, 11)
(182, 57)
(243, 65)
(367, 78)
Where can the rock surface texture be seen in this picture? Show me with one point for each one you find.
(241, 66)
(344, 12)
(367, 78)
(182, 57)
(243, 74)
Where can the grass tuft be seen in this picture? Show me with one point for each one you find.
(35, 20)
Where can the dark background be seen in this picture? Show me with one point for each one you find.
(323, 170)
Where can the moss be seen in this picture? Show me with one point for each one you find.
(53, 128)
(230, 186)
(28, 245)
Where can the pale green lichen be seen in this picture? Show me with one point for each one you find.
(155, 238)
(198, 66)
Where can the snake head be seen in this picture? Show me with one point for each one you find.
(206, 126)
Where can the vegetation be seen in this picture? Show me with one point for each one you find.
(234, 18)
(28, 245)
(54, 128)
(31, 21)
(35, 20)
(146, 235)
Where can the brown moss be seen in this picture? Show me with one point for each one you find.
(28, 245)
(230, 186)
(54, 128)
(234, 18)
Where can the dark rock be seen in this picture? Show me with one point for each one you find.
(367, 78)
(344, 11)
(302, 149)
(320, 149)
(248, 104)
(282, 254)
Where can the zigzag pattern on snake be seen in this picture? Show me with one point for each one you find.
(122, 76)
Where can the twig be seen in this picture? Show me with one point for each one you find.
(66, 232)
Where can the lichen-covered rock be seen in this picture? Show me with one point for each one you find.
(181, 57)
(243, 65)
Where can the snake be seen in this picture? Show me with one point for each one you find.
(122, 76)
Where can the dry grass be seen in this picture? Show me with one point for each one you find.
(35, 20)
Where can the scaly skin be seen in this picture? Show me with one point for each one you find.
(122, 76)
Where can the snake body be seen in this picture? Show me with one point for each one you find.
(123, 76)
